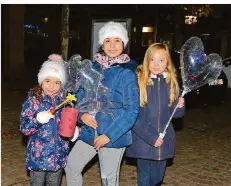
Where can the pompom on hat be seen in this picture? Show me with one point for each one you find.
(113, 29)
(53, 67)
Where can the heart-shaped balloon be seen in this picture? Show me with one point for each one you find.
(198, 69)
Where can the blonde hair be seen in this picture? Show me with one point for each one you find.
(144, 78)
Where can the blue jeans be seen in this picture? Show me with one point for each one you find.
(150, 172)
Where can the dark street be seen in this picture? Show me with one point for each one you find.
(202, 155)
(34, 31)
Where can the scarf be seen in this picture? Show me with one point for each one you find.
(107, 62)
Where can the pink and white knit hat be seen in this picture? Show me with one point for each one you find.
(53, 67)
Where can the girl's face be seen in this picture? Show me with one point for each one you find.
(158, 62)
(51, 85)
(113, 46)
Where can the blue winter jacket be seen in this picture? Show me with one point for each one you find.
(151, 121)
(116, 123)
(46, 149)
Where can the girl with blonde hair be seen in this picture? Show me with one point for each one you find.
(159, 95)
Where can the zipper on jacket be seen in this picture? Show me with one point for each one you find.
(159, 115)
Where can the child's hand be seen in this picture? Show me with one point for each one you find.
(44, 117)
(89, 120)
(180, 102)
(100, 141)
(159, 142)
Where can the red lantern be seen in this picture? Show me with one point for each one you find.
(68, 122)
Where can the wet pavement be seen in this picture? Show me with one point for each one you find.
(203, 153)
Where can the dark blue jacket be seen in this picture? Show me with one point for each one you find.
(116, 124)
(151, 121)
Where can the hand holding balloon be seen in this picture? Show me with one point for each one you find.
(89, 120)
(180, 102)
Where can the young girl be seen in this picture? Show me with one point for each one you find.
(46, 150)
(158, 97)
(108, 133)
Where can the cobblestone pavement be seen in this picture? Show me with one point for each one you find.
(203, 153)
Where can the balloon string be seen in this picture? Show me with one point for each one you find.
(164, 131)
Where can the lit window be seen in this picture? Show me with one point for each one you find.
(190, 20)
(147, 29)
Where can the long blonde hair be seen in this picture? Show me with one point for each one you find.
(144, 78)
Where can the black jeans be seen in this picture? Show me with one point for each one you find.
(42, 178)
(150, 172)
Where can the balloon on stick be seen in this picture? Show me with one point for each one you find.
(197, 68)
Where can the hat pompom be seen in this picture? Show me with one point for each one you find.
(55, 57)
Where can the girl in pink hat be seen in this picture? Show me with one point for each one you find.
(47, 151)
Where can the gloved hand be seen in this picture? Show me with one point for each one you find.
(76, 134)
(44, 117)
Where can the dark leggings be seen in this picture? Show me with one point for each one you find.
(42, 178)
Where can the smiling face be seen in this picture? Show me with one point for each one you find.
(113, 46)
(158, 62)
(51, 85)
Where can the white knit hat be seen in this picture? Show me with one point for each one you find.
(53, 67)
(113, 29)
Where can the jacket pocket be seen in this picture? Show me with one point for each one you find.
(151, 124)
